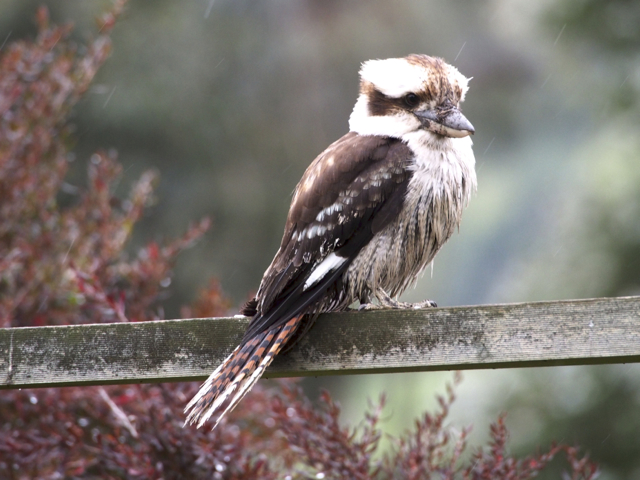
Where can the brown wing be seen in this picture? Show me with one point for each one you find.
(349, 192)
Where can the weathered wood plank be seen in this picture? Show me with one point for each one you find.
(605, 330)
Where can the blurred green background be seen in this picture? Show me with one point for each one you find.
(231, 100)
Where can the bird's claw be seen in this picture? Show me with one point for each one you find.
(424, 304)
(388, 303)
(410, 306)
(369, 306)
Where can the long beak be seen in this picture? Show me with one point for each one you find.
(450, 123)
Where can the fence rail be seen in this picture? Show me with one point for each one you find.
(573, 332)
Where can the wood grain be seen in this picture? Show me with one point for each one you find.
(575, 332)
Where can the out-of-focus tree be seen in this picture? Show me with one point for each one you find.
(605, 33)
(590, 242)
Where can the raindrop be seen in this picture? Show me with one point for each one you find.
(560, 34)
(460, 51)
(109, 97)
(5, 40)
(488, 146)
(624, 81)
(209, 7)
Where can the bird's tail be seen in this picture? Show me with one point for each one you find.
(238, 373)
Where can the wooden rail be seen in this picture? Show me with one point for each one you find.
(576, 332)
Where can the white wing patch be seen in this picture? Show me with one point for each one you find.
(336, 207)
(330, 263)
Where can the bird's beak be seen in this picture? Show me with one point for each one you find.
(449, 122)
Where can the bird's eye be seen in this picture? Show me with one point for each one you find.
(411, 99)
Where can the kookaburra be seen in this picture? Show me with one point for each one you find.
(369, 214)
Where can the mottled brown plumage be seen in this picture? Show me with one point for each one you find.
(368, 215)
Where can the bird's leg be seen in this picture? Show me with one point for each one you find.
(367, 304)
(386, 302)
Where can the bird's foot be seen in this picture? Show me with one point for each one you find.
(387, 303)
(421, 305)
(410, 306)
(369, 306)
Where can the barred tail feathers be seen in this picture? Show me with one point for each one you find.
(238, 373)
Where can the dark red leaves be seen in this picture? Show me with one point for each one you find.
(495, 462)
(136, 431)
(67, 265)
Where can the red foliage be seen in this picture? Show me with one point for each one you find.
(67, 265)
(320, 447)
(496, 463)
(434, 450)
(61, 265)
(132, 431)
(136, 432)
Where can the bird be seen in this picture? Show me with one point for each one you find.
(368, 215)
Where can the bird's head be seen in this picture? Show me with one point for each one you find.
(404, 95)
